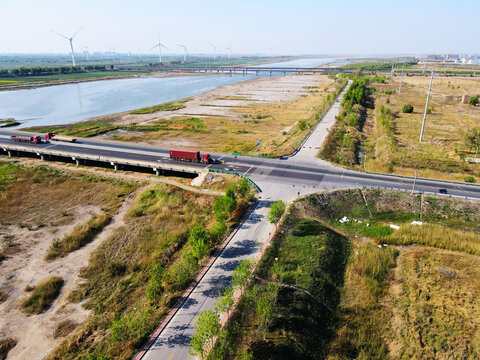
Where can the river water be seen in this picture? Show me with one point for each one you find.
(65, 104)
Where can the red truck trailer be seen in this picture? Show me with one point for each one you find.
(28, 139)
(190, 155)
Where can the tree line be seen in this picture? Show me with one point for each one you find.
(39, 71)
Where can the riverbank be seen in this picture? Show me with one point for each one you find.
(265, 115)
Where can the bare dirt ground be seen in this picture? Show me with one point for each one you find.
(35, 333)
(223, 100)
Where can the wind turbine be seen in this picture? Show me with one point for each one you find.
(184, 52)
(229, 51)
(214, 51)
(70, 39)
(160, 45)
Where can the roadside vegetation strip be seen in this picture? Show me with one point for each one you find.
(43, 295)
(135, 276)
(212, 332)
(79, 237)
(193, 285)
(343, 140)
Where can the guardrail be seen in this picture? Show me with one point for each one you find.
(236, 174)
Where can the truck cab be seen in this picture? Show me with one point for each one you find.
(207, 159)
(48, 136)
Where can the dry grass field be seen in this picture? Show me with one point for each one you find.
(392, 137)
(38, 205)
(415, 297)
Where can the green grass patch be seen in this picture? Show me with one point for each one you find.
(43, 296)
(163, 107)
(311, 258)
(79, 237)
(8, 123)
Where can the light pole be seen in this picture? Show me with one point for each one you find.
(401, 78)
(426, 108)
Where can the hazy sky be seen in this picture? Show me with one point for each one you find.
(261, 26)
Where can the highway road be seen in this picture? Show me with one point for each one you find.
(283, 179)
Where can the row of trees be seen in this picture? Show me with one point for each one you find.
(342, 142)
(261, 299)
(38, 71)
(200, 242)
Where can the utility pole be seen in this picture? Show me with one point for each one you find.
(426, 108)
(393, 68)
(401, 78)
(414, 181)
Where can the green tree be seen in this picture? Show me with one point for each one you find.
(266, 305)
(243, 188)
(407, 109)
(241, 273)
(198, 241)
(474, 100)
(208, 327)
(472, 140)
(225, 301)
(223, 207)
(217, 231)
(155, 287)
(276, 211)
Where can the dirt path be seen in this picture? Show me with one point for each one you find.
(34, 333)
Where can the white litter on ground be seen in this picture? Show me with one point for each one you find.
(385, 245)
(415, 222)
(344, 219)
(395, 227)
(379, 246)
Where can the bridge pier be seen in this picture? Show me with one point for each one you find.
(42, 157)
(270, 72)
(9, 153)
(157, 171)
(115, 165)
(77, 161)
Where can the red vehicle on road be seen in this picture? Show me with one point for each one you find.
(27, 139)
(190, 155)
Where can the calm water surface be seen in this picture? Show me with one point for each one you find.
(64, 104)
